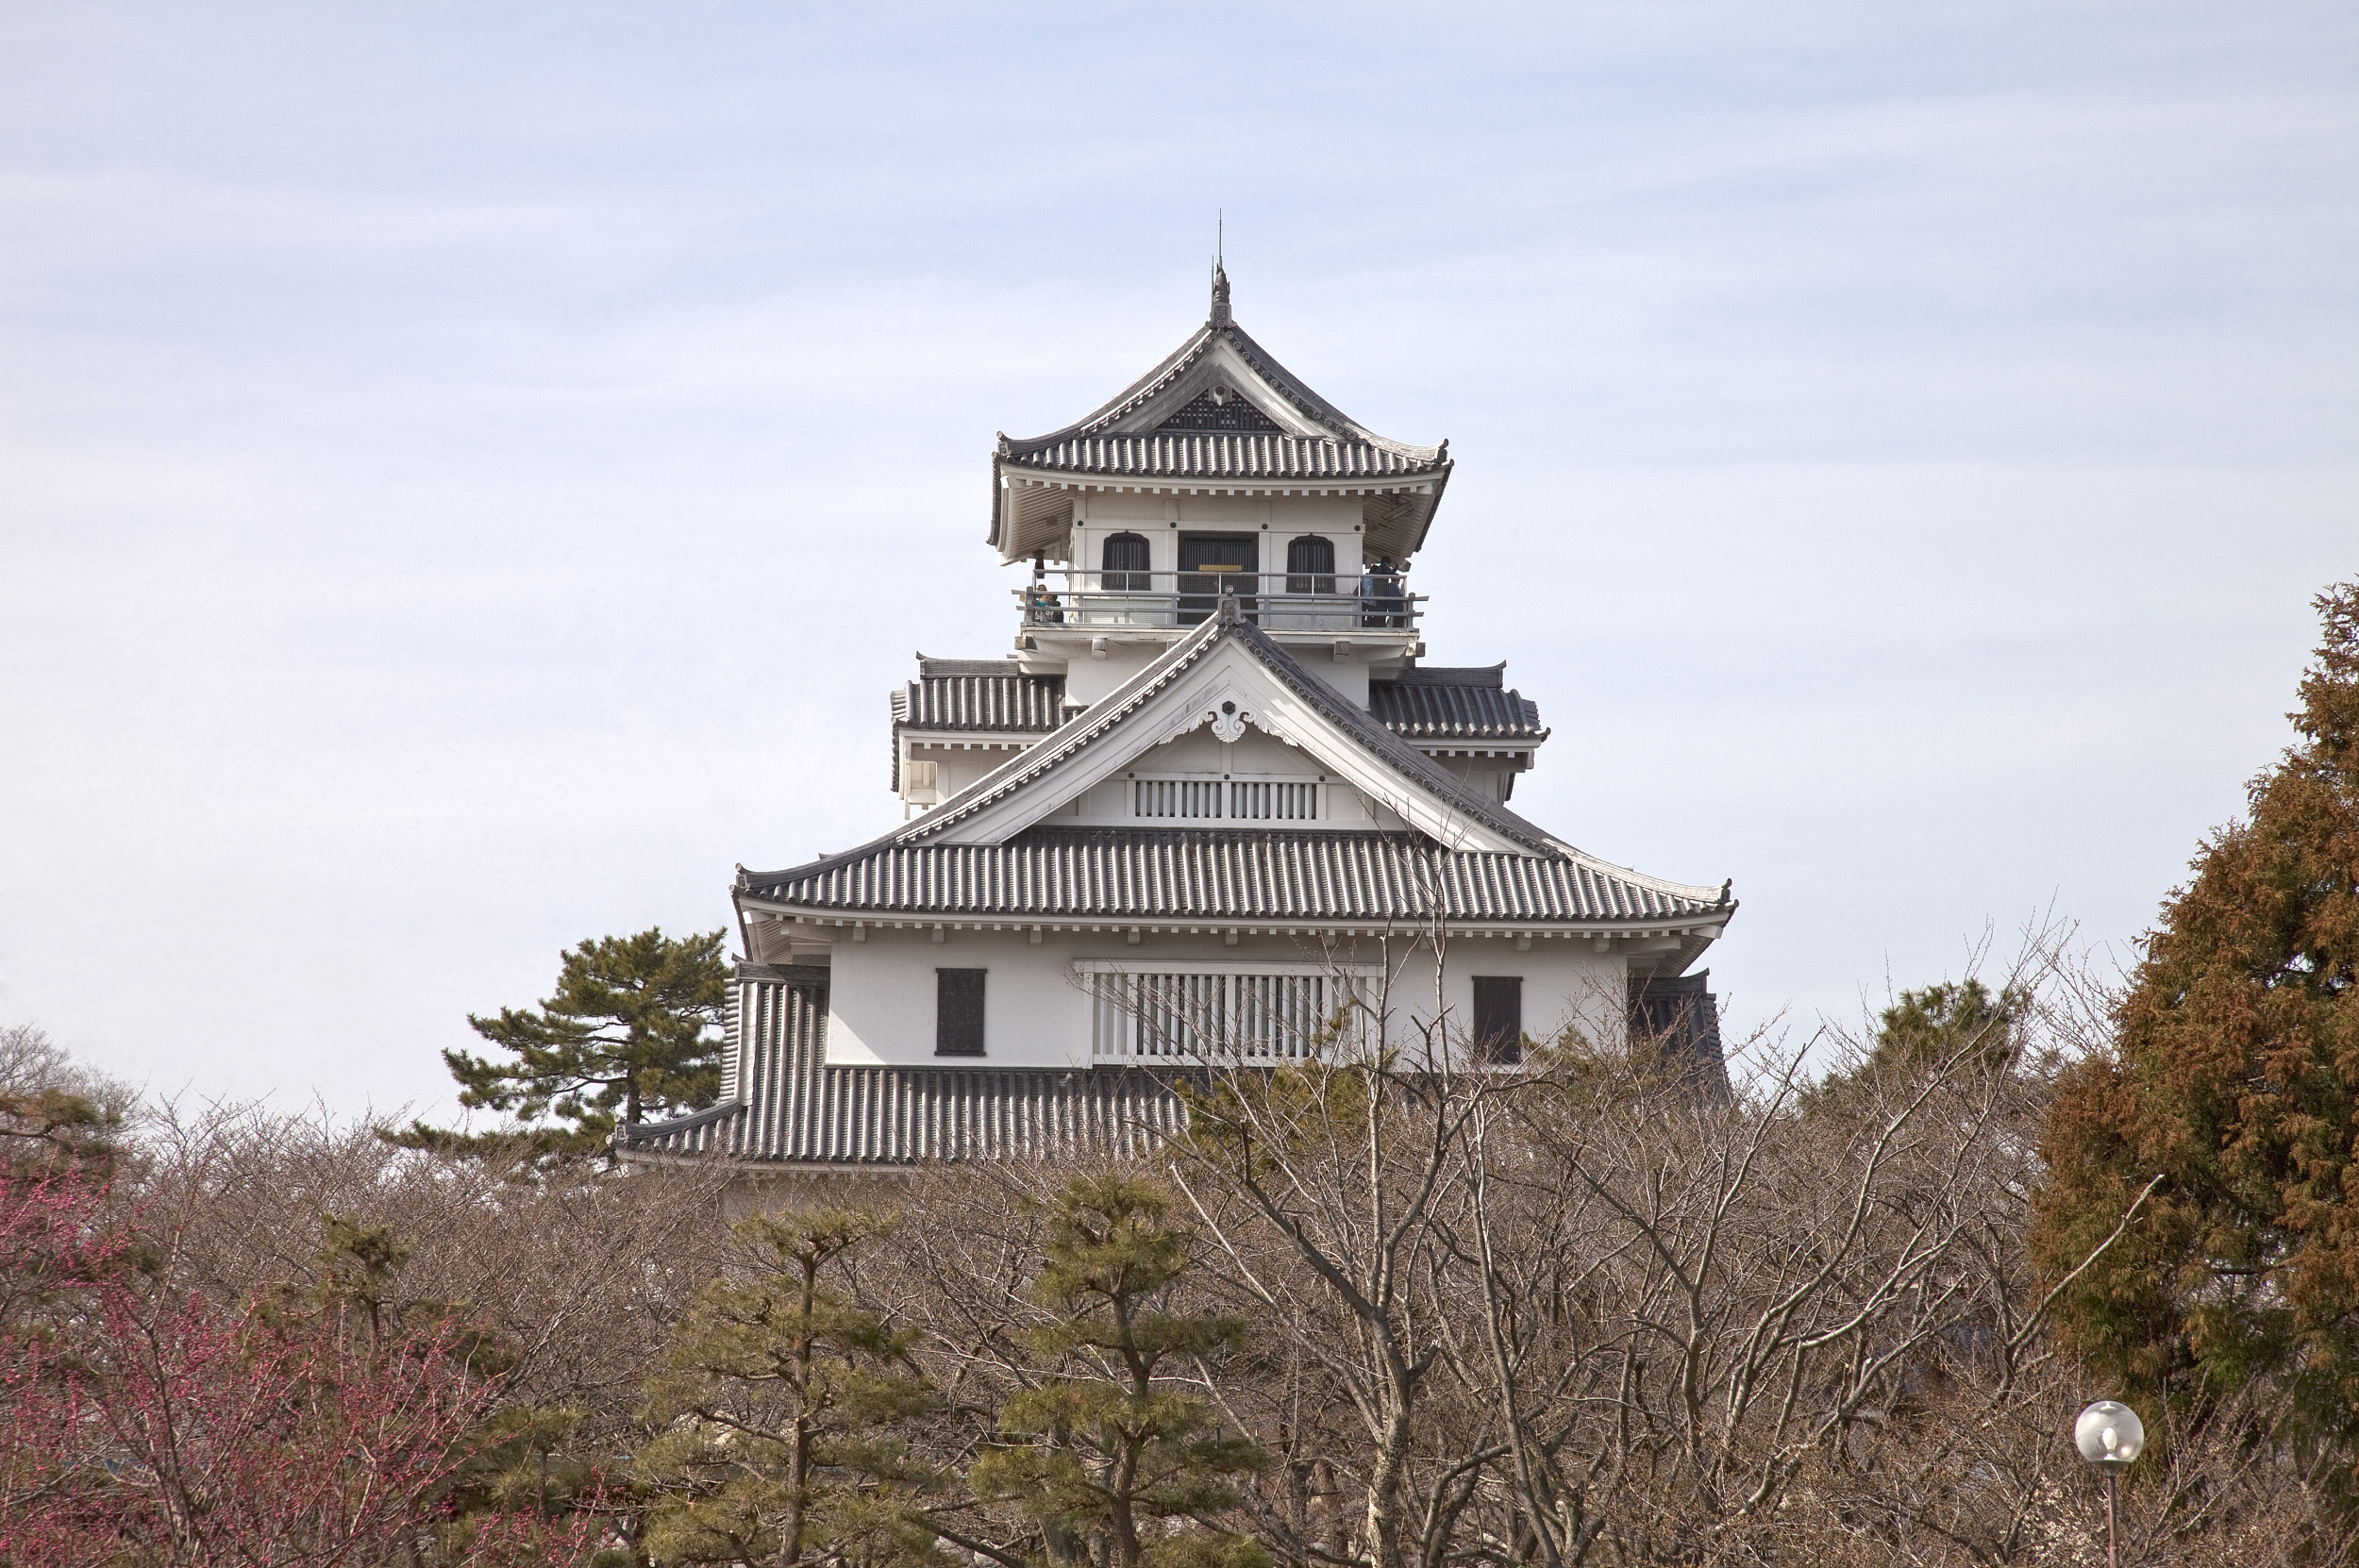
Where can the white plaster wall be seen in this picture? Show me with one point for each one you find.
(1088, 679)
(1565, 984)
(959, 766)
(881, 998)
(1493, 775)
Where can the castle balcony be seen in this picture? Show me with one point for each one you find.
(1065, 603)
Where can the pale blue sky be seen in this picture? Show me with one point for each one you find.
(469, 476)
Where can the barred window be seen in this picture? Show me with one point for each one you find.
(1243, 801)
(1274, 802)
(1311, 565)
(1262, 1017)
(1175, 797)
(1125, 559)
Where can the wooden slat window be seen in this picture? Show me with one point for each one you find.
(959, 1012)
(1499, 1019)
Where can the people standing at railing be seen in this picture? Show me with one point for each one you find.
(1381, 601)
(1042, 608)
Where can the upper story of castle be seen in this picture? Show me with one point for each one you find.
(1217, 472)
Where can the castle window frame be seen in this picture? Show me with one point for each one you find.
(958, 1011)
(1233, 1013)
(1125, 562)
(1498, 1020)
(1311, 565)
(1241, 800)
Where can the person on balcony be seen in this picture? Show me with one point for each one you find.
(1380, 597)
(1042, 608)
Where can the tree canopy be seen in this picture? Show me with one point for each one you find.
(2235, 1079)
(631, 1030)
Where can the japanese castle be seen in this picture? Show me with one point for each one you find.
(1216, 809)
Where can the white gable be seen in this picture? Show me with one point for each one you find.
(1229, 693)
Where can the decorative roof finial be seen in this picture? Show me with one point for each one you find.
(1220, 270)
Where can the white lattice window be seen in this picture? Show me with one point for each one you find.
(1175, 797)
(1243, 800)
(1259, 802)
(1239, 1014)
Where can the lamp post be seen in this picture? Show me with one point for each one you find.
(2110, 1436)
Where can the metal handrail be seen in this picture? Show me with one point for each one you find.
(1283, 601)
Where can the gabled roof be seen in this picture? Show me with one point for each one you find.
(1220, 407)
(1348, 739)
(1455, 705)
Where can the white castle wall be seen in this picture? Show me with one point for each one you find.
(1036, 1013)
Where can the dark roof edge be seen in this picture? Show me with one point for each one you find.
(1492, 675)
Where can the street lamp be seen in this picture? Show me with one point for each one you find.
(2110, 1436)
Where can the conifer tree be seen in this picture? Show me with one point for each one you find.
(2235, 1080)
(629, 1033)
(1112, 1446)
(780, 1404)
(1957, 1029)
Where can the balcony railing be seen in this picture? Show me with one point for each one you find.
(1275, 601)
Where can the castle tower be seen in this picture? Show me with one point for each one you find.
(1214, 810)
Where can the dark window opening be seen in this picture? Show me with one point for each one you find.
(1124, 561)
(1213, 564)
(1680, 1018)
(1499, 1019)
(959, 1012)
(1311, 565)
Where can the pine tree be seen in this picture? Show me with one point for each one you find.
(1955, 1030)
(2235, 1079)
(629, 1030)
(779, 1403)
(1111, 1447)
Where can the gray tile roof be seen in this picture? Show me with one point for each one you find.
(785, 1103)
(1094, 724)
(1199, 454)
(1435, 710)
(979, 695)
(1248, 876)
(1095, 444)
(1100, 720)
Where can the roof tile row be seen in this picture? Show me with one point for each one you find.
(1244, 874)
(1423, 711)
(1214, 454)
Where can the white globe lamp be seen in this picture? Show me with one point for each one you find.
(2110, 1436)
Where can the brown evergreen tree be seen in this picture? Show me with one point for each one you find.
(2235, 1079)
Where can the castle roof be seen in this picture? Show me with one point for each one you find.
(1444, 703)
(1468, 858)
(1219, 412)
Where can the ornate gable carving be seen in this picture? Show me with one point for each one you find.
(1219, 408)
